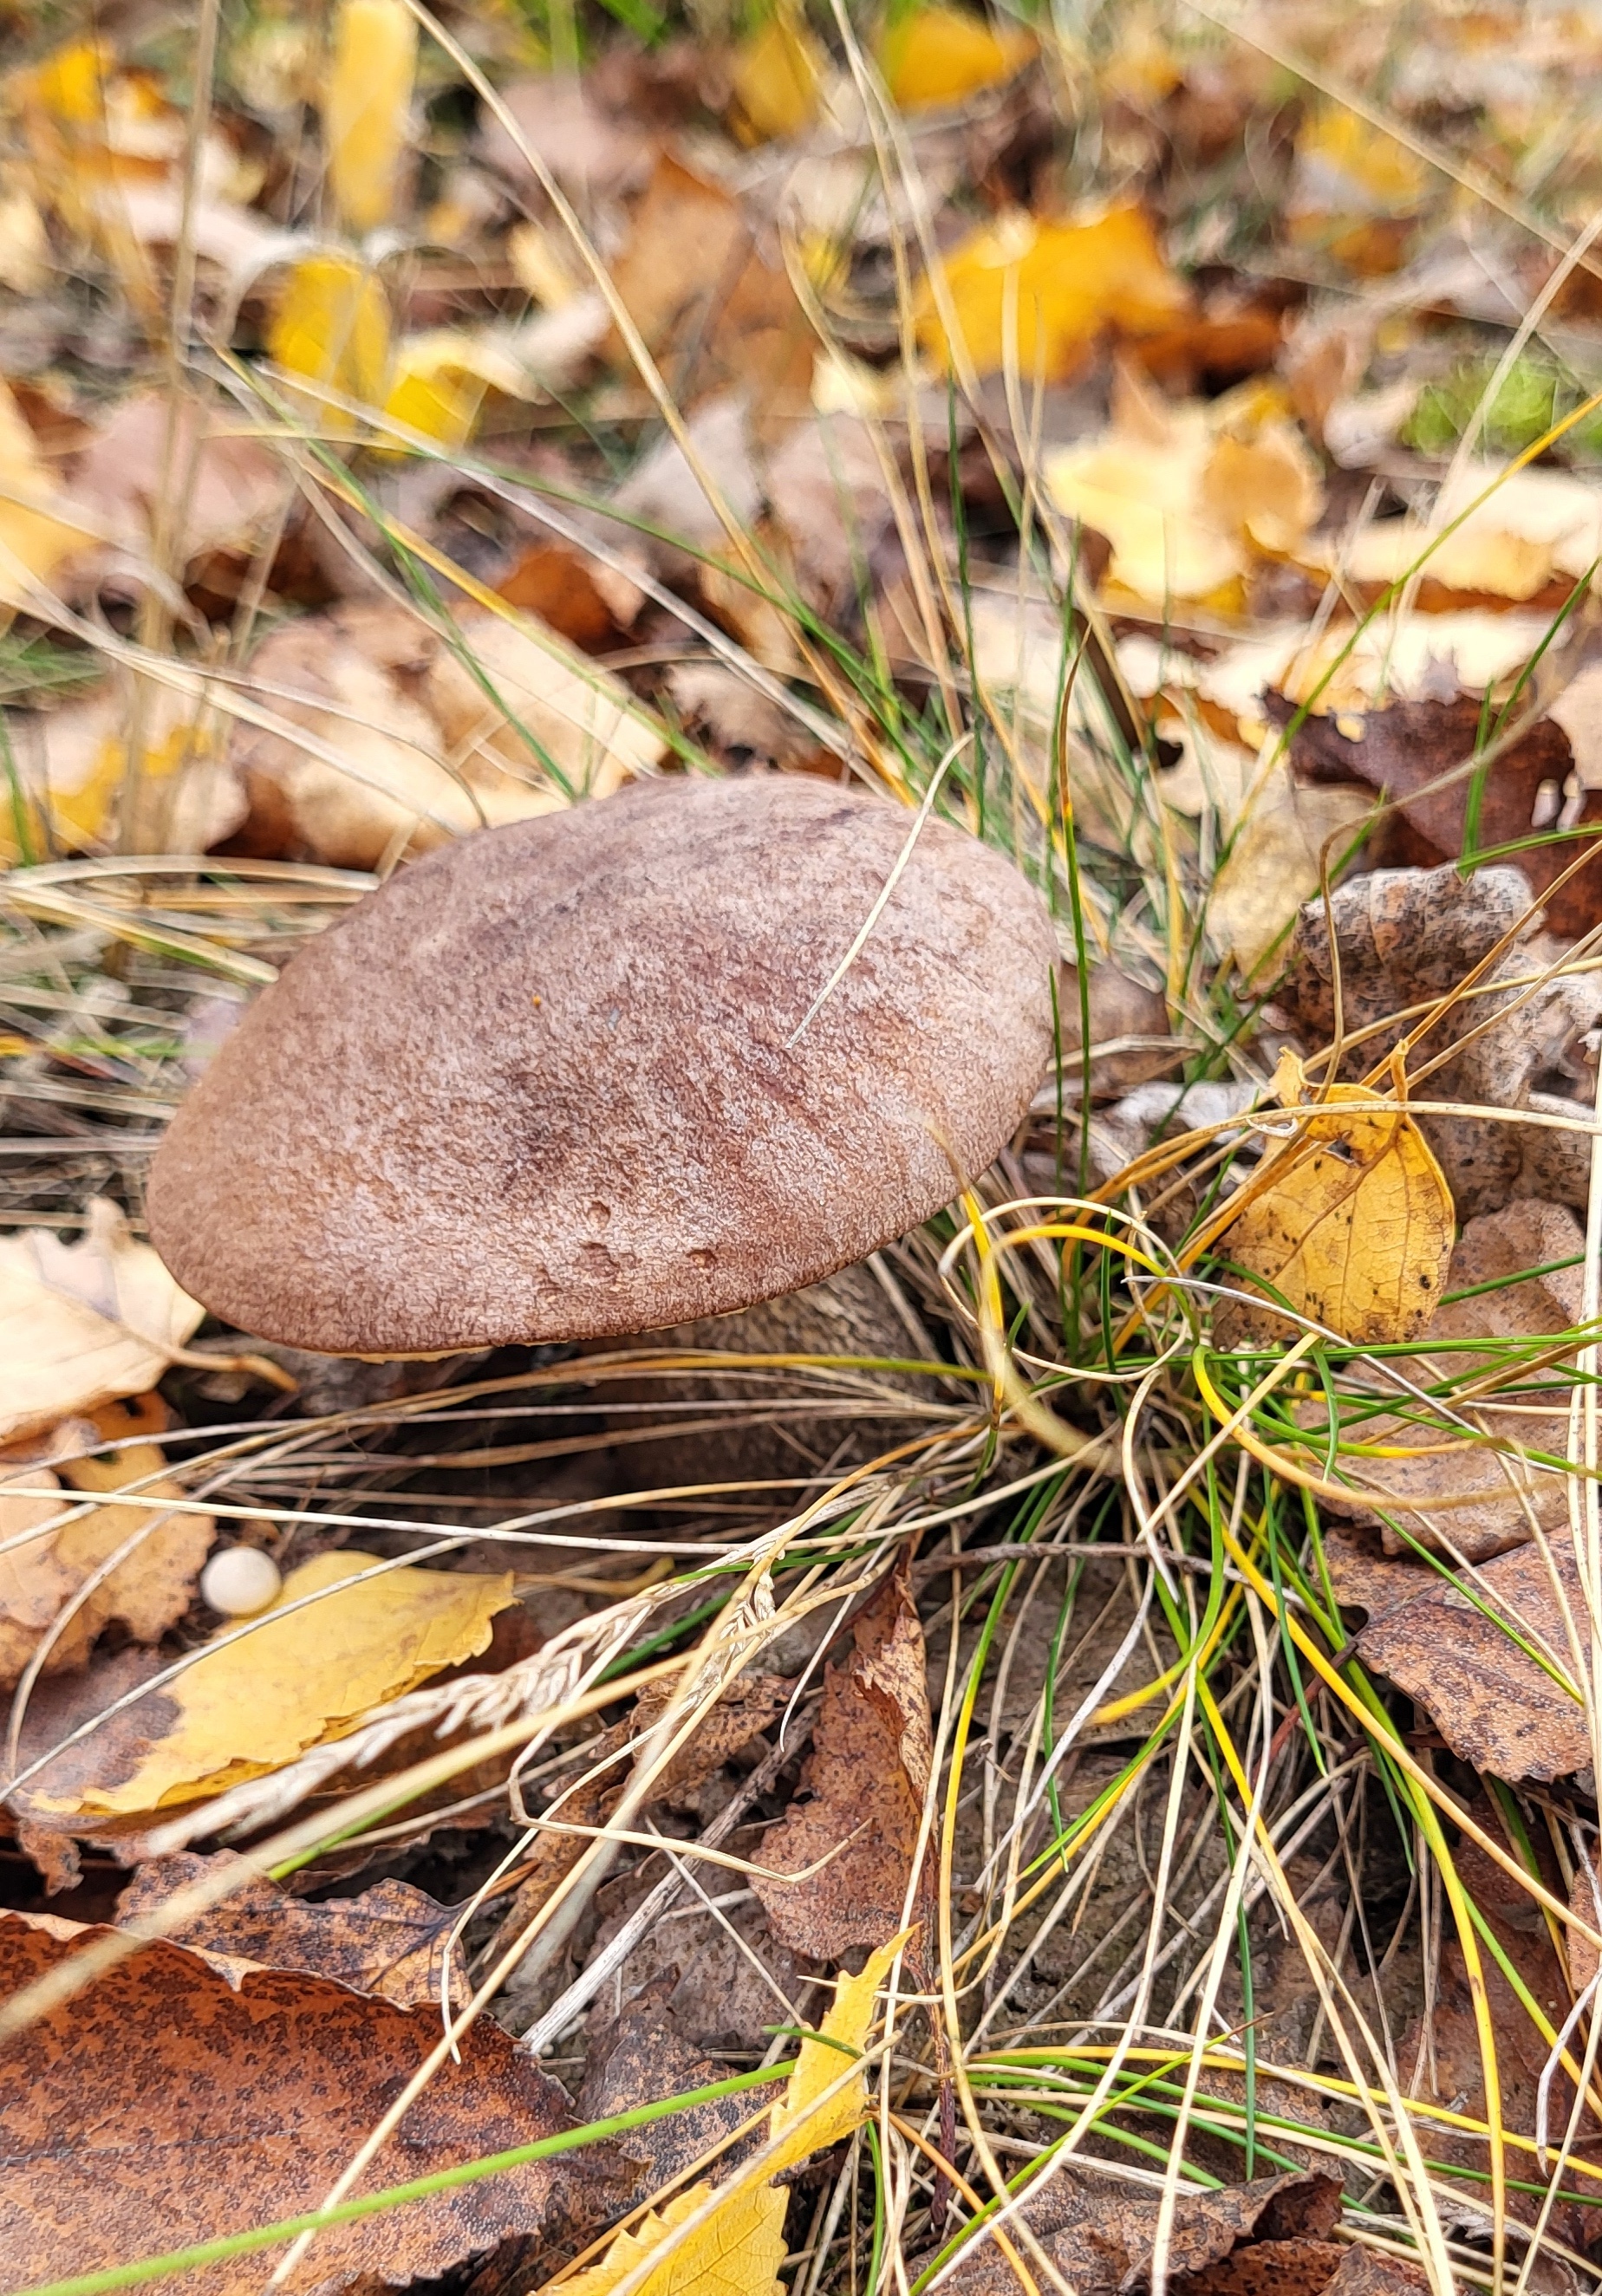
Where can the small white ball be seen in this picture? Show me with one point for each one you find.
(241, 1580)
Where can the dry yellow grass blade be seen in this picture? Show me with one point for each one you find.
(1350, 1221)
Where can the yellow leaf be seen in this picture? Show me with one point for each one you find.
(939, 55)
(332, 326)
(367, 108)
(294, 1682)
(34, 540)
(775, 78)
(1061, 285)
(83, 1322)
(439, 379)
(149, 1590)
(78, 791)
(1353, 1224)
(69, 84)
(738, 2250)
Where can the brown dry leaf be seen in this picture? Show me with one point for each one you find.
(83, 1322)
(391, 1941)
(426, 750)
(254, 1703)
(591, 156)
(702, 292)
(745, 1707)
(1522, 2051)
(1508, 1498)
(149, 1591)
(641, 2055)
(867, 1775)
(222, 489)
(120, 2104)
(1495, 1705)
(1396, 751)
(1352, 1222)
(1100, 2237)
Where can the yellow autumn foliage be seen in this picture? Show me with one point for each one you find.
(296, 1680)
(738, 2247)
(775, 78)
(1350, 1221)
(332, 325)
(1046, 292)
(941, 55)
(367, 108)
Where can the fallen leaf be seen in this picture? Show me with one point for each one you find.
(1445, 1490)
(867, 1774)
(38, 532)
(741, 2245)
(1101, 2238)
(1047, 292)
(592, 156)
(367, 108)
(1355, 191)
(296, 1681)
(1445, 2047)
(1189, 496)
(775, 78)
(1351, 1222)
(423, 743)
(83, 1322)
(332, 327)
(1406, 938)
(935, 55)
(643, 2055)
(392, 1940)
(24, 246)
(705, 297)
(149, 1591)
(224, 490)
(83, 790)
(1533, 528)
(1397, 751)
(570, 591)
(1460, 1659)
(120, 2105)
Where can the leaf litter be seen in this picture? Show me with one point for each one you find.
(1170, 453)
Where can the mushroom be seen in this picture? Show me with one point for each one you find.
(573, 1079)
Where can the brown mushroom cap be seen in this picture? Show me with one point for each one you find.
(538, 1087)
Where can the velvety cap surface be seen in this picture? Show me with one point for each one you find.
(538, 1087)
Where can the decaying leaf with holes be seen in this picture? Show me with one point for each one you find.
(294, 1680)
(1350, 1221)
(867, 1775)
(1492, 1666)
(740, 2244)
(120, 2105)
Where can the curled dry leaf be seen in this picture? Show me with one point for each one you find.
(1468, 1662)
(41, 1579)
(1435, 1482)
(741, 2244)
(84, 1323)
(293, 1679)
(119, 2105)
(1273, 2234)
(392, 1940)
(866, 1776)
(1350, 1220)
(421, 742)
